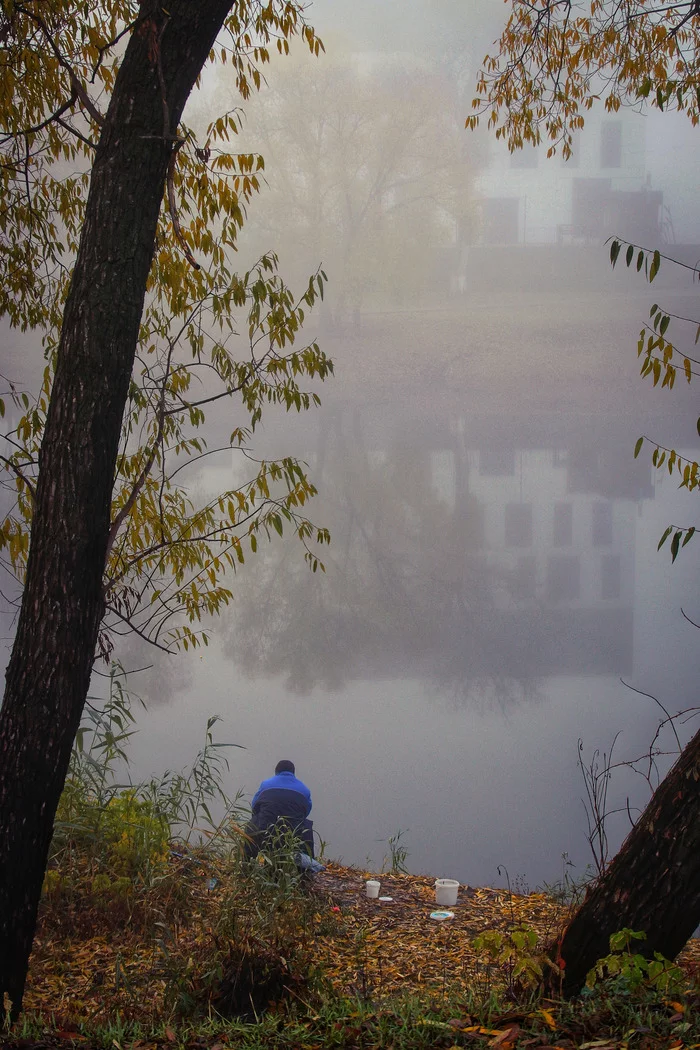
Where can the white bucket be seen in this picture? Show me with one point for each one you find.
(446, 892)
(372, 888)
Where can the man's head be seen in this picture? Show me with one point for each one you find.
(284, 766)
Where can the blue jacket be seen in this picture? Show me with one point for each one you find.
(281, 796)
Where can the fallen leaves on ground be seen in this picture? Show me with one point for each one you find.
(370, 947)
(367, 949)
(385, 947)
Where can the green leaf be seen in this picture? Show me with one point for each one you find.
(665, 536)
(638, 446)
(688, 536)
(614, 251)
(655, 265)
(630, 254)
(675, 543)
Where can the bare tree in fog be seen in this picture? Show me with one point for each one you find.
(368, 172)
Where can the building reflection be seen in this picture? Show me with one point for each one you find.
(557, 537)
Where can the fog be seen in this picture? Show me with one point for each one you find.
(493, 578)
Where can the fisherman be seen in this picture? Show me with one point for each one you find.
(281, 802)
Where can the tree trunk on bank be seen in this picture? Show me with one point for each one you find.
(653, 884)
(50, 667)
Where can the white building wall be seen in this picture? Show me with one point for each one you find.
(545, 191)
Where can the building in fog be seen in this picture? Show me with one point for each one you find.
(527, 198)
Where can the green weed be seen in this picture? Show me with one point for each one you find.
(516, 955)
(632, 972)
(395, 861)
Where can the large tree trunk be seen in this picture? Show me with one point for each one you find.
(52, 657)
(653, 884)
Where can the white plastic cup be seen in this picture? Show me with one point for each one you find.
(372, 888)
(446, 891)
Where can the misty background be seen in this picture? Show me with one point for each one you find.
(493, 571)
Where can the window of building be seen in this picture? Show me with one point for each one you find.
(610, 577)
(563, 524)
(602, 524)
(591, 198)
(563, 578)
(501, 220)
(524, 579)
(525, 157)
(495, 462)
(611, 144)
(518, 525)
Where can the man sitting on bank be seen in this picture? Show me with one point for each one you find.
(282, 801)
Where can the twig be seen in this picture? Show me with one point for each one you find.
(13, 466)
(649, 696)
(172, 206)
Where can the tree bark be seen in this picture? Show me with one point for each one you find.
(652, 885)
(50, 667)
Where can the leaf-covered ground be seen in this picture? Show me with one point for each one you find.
(385, 947)
(89, 970)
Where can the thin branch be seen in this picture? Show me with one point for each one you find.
(78, 134)
(40, 127)
(141, 480)
(13, 466)
(132, 627)
(652, 251)
(172, 206)
(111, 43)
(685, 615)
(76, 86)
(656, 700)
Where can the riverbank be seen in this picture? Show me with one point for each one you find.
(341, 970)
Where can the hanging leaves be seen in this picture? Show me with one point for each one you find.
(554, 60)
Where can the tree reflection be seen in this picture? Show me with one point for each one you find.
(407, 592)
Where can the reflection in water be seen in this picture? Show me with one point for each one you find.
(477, 612)
(474, 569)
(558, 542)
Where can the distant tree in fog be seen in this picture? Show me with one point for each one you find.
(554, 61)
(368, 172)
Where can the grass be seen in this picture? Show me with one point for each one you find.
(403, 1023)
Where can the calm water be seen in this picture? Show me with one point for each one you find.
(493, 573)
(477, 767)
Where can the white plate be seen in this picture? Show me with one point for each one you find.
(386, 898)
(440, 916)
